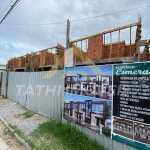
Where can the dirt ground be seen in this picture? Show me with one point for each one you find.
(6, 135)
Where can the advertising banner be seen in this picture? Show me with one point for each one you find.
(131, 104)
(88, 97)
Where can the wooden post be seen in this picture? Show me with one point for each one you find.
(26, 63)
(103, 47)
(1, 82)
(57, 56)
(86, 48)
(80, 52)
(130, 41)
(68, 34)
(119, 43)
(110, 44)
(138, 42)
(7, 75)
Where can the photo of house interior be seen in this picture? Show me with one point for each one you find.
(142, 133)
(90, 85)
(123, 127)
(89, 113)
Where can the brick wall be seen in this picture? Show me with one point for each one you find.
(79, 55)
(61, 57)
(43, 55)
(28, 60)
(50, 58)
(95, 47)
(114, 52)
(21, 62)
(15, 62)
(8, 64)
(36, 60)
(133, 50)
(144, 56)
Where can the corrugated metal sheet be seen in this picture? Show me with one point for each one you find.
(3, 89)
(23, 88)
(51, 104)
(103, 140)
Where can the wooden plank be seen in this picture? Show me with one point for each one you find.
(111, 44)
(119, 43)
(130, 41)
(108, 31)
(103, 47)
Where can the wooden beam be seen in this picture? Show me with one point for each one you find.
(111, 44)
(108, 31)
(67, 34)
(86, 48)
(103, 47)
(119, 43)
(130, 41)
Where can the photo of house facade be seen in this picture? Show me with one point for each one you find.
(98, 86)
(88, 113)
(133, 130)
(88, 96)
(142, 133)
(123, 127)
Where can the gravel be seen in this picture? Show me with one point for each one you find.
(11, 112)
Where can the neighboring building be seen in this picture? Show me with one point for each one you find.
(2, 67)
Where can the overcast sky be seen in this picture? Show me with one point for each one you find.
(17, 40)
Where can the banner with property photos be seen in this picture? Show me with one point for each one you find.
(88, 97)
(131, 104)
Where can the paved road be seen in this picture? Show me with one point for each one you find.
(3, 145)
(7, 141)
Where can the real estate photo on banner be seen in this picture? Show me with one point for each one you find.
(88, 97)
(131, 104)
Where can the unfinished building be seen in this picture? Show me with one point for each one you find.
(43, 60)
(94, 49)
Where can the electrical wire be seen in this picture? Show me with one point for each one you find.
(17, 6)
(104, 15)
(6, 8)
(114, 13)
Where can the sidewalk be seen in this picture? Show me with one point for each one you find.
(3, 145)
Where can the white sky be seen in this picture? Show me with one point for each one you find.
(19, 40)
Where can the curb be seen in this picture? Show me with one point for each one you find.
(19, 139)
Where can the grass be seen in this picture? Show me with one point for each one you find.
(53, 135)
(28, 114)
(67, 135)
(21, 134)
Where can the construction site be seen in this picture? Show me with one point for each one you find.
(88, 50)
